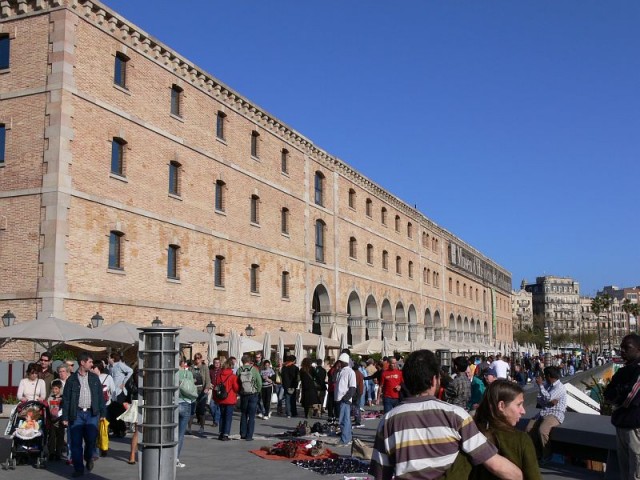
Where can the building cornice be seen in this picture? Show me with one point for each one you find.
(145, 44)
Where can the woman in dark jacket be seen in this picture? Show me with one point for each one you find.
(308, 387)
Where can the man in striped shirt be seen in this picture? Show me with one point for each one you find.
(421, 438)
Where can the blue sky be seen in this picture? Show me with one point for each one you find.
(514, 125)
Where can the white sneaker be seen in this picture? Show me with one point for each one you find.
(269, 416)
(260, 415)
(179, 464)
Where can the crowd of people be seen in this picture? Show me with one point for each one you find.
(438, 422)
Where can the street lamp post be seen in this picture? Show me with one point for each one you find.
(250, 331)
(8, 319)
(97, 320)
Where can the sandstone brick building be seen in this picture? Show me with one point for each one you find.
(135, 184)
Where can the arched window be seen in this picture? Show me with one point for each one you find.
(173, 271)
(370, 254)
(285, 284)
(319, 188)
(410, 230)
(117, 156)
(383, 215)
(255, 209)
(320, 227)
(254, 278)
(385, 260)
(367, 207)
(218, 271)
(353, 247)
(425, 239)
(352, 198)
(176, 100)
(450, 285)
(220, 201)
(174, 178)
(116, 240)
(397, 223)
(398, 265)
(457, 287)
(436, 279)
(284, 220)
(284, 161)
(410, 272)
(255, 138)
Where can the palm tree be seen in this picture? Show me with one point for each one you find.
(607, 303)
(596, 308)
(635, 311)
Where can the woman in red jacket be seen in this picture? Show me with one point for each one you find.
(227, 404)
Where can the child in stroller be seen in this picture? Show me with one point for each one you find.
(27, 427)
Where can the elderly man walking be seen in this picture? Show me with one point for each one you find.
(345, 391)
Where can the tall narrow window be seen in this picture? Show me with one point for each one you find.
(320, 226)
(410, 272)
(425, 239)
(115, 250)
(172, 262)
(410, 230)
(385, 260)
(397, 223)
(450, 285)
(255, 209)
(368, 207)
(370, 254)
(284, 221)
(3, 139)
(218, 271)
(255, 136)
(220, 201)
(285, 284)
(5, 54)
(436, 280)
(353, 247)
(221, 119)
(284, 161)
(254, 278)
(425, 276)
(120, 70)
(457, 287)
(174, 178)
(383, 215)
(399, 265)
(319, 188)
(352, 198)
(117, 156)
(176, 100)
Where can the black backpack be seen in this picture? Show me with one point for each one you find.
(220, 391)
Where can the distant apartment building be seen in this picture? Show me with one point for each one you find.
(557, 301)
(522, 310)
(621, 322)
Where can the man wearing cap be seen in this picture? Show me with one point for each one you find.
(490, 375)
(344, 393)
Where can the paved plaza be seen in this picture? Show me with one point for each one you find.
(207, 456)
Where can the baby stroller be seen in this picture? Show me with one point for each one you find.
(28, 429)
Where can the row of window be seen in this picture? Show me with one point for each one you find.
(116, 262)
(427, 240)
(464, 290)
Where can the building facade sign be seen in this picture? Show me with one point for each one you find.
(479, 268)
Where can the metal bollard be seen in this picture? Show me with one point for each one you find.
(158, 401)
(444, 357)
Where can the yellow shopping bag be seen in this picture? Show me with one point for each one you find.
(103, 435)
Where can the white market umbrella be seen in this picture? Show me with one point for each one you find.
(368, 347)
(333, 332)
(412, 346)
(386, 350)
(190, 335)
(46, 332)
(119, 332)
(343, 342)
(320, 350)
(297, 351)
(280, 350)
(212, 351)
(232, 345)
(266, 346)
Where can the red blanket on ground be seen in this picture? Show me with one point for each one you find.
(301, 454)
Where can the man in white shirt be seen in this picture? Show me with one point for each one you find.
(344, 393)
(502, 367)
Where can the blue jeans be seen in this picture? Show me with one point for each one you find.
(84, 428)
(184, 414)
(214, 408)
(248, 407)
(345, 422)
(290, 407)
(389, 403)
(226, 416)
(371, 391)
